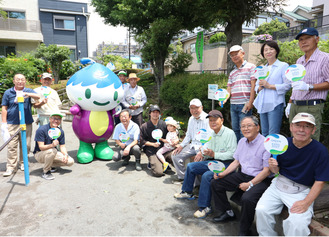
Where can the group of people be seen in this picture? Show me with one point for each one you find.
(262, 185)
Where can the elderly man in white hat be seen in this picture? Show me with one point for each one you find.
(47, 138)
(135, 99)
(303, 170)
(241, 88)
(49, 101)
(190, 145)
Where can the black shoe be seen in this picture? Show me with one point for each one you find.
(245, 233)
(53, 169)
(125, 162)
(223, 217)
(138, 166)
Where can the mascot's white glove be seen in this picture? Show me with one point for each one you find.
(287, 111)
(300, 86)
(4, 132)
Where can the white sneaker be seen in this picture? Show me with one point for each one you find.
(22, 167)
(202, 214)
(184, 195)
(8, 173)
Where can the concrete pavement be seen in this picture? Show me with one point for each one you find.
(100, 198)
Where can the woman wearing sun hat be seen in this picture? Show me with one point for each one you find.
(134, 98)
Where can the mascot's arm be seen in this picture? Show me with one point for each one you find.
(75, 110)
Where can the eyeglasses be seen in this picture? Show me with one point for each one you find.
(306, 127)
(233, 55)
(248, 126)
(56, 119)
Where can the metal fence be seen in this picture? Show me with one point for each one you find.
(319, 22)
(216, 71)
(20, 25)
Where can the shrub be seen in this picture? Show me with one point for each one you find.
(177, 91)
(68, 69)
(218, 37)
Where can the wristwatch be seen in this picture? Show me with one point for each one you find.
(311, 87)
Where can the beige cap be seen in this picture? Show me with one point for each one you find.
(235, 48)
(195, 102)
(46, 75)
(304, 117)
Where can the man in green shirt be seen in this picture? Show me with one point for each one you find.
(221, 148)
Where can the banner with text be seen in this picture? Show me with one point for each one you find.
(199, 47)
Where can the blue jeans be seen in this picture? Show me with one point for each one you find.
(236, 117)
(200, 168)
(271, 122)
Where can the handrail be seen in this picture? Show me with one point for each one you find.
(11, 138)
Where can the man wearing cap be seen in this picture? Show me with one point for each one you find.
(190, 145)
(11, 121)
(310, 93)
(131, 146)
(220, 148)
(149, 144)
(135, 98)
(45, 150)
(122, 76)
(49, 99)
(241, 88)
(303, 170)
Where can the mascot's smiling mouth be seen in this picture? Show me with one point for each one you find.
(101, 104)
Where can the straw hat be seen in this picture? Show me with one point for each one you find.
(133, 75)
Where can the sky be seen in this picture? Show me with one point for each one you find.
(99, 32)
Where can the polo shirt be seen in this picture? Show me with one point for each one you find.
(133, 131)
(8, 100)
(223, 144)
(252, 156)
(240, 82)
(305, 165)
(41, 135)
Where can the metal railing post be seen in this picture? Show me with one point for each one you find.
(20, 100)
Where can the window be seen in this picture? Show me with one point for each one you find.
(192, 48)
(15, 15)
(261, 21)
(6, 50)
(72, 55)
(64, 23)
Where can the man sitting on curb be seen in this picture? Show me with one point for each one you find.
(190, 145)
(129, 147)
(249, 183)
(221, 148)
(303, 168)
(45, 150)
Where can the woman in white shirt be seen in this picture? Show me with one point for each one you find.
(270, 99)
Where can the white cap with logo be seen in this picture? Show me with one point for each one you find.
(195, 102)
(235, 48)
(304, 117)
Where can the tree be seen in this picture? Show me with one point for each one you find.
(233, 13)
(270, 27)
(119, 62)
(155, 23)
(179, 60)
(54, 56)
(218, 37)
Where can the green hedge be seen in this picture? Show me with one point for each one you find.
(177, 91)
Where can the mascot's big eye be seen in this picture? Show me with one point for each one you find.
(88, 93)
(115, 96)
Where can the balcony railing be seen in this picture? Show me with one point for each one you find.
(318, 22)
(20, 25)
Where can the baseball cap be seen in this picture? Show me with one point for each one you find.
(235, 48)
(215, 113)
(153, 108)
(304, 117)
(57, 114)
(195, 102)
(307, 31)
(46, 75)
(122, 73)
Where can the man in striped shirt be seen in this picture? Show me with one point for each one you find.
(310, 93)
(241, 88)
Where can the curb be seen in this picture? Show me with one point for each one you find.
(318, 229)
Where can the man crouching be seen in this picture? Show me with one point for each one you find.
(47, 137)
